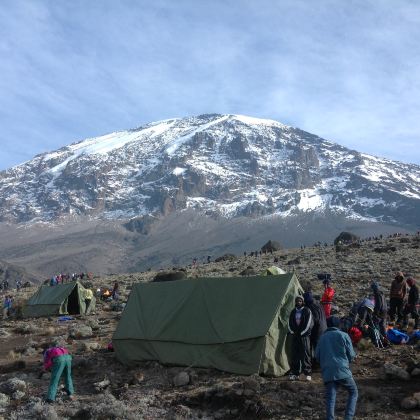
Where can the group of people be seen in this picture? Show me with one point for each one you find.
(62, 278)
(317, 336)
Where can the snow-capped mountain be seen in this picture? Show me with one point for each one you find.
(228, 165)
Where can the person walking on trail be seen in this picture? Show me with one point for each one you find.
(380, 311)
(397, 295)
(300, 326)
(7, 306)
(58, 360)
(327, 297)
(320, 322)
(412, 302)
(88, 296)
(335, 353)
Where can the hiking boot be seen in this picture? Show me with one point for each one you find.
(293, 378)
(308, 377)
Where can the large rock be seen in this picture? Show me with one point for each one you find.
(409, 403)
(394, 371)
(4, 400)
(81, 331)
(346, 238)
(12, 385)
(181, 379)
(170, 276)
(271, 246)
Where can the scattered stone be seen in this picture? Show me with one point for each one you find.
(18, 395)
(100, 386)
(4, 400)
(181, 379)
(81, 331)
(12, 385)
(394, 371)
(409, 403)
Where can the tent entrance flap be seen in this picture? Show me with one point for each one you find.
(73, 307)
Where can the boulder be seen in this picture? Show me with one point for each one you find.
(181, 379)
(226, 257)
(170, 276)
(12, 385)
(409, 403)
(394, 371)
(271, 246)
(346, 238)
(4, 400)
(249, 271)
(81, 331)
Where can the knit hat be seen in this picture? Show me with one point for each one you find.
(333, 322)
(368, 303)
(308, 298)
(410, 282)
(299, 298)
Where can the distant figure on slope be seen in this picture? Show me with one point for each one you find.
(335, 353)
(300, 327)
(59, 359)
(397, 295)
(115, 291)
(411, 305)
(7, 306)
(327, 297)
(320, 322)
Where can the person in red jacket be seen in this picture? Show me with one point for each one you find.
(327, 297)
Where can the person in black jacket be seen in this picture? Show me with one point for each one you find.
(300, 327)
(411, 305)
(320, 322)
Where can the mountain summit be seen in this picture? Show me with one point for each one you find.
(227, 165)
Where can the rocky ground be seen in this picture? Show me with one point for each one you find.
(108, 390)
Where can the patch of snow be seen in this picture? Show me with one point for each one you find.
(178, 171)
(257, 121)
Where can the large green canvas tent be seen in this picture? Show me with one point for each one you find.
(235, 324)
(62, 299)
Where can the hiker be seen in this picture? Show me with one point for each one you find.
(397, 295)
(18, 285)
(320, 322)
(88, 299)
(411, 305)
(335, 353)
(115, 291)
(300, 326)
(380, 311)
(7, 306)
(59, 359)
(327, 297)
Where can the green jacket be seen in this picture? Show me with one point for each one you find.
(334, 353)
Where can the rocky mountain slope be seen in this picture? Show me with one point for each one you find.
(228, 165)
(107, 390)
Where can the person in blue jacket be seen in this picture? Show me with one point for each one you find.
(335, 353)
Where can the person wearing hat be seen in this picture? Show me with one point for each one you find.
(397, 295)
(300, 327)
(380, 311)
(411, 305)
(327, 297)
(335, 353)
(320, 322)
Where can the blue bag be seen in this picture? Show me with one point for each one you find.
(397, 337)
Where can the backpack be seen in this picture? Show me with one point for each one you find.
(396, 336)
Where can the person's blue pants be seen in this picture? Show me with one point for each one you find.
(331, 394)
(61, 366)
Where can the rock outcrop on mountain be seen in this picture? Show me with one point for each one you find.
(221, 165)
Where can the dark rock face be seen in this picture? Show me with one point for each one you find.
(346, 238)
(223, 165)
(170, 276)
(271, 246)
(141, 225)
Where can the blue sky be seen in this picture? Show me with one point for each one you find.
(347, 70)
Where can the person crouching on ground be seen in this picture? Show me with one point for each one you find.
(300, 326)
(335, 353)
(59, 359)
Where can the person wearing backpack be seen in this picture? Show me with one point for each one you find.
(411, 305)
(380, 311)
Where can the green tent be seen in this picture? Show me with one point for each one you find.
(234, 324)
(62, 299)
(272, 271)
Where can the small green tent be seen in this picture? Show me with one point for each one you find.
(272, 271)
(235, 324)
(67, 298)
